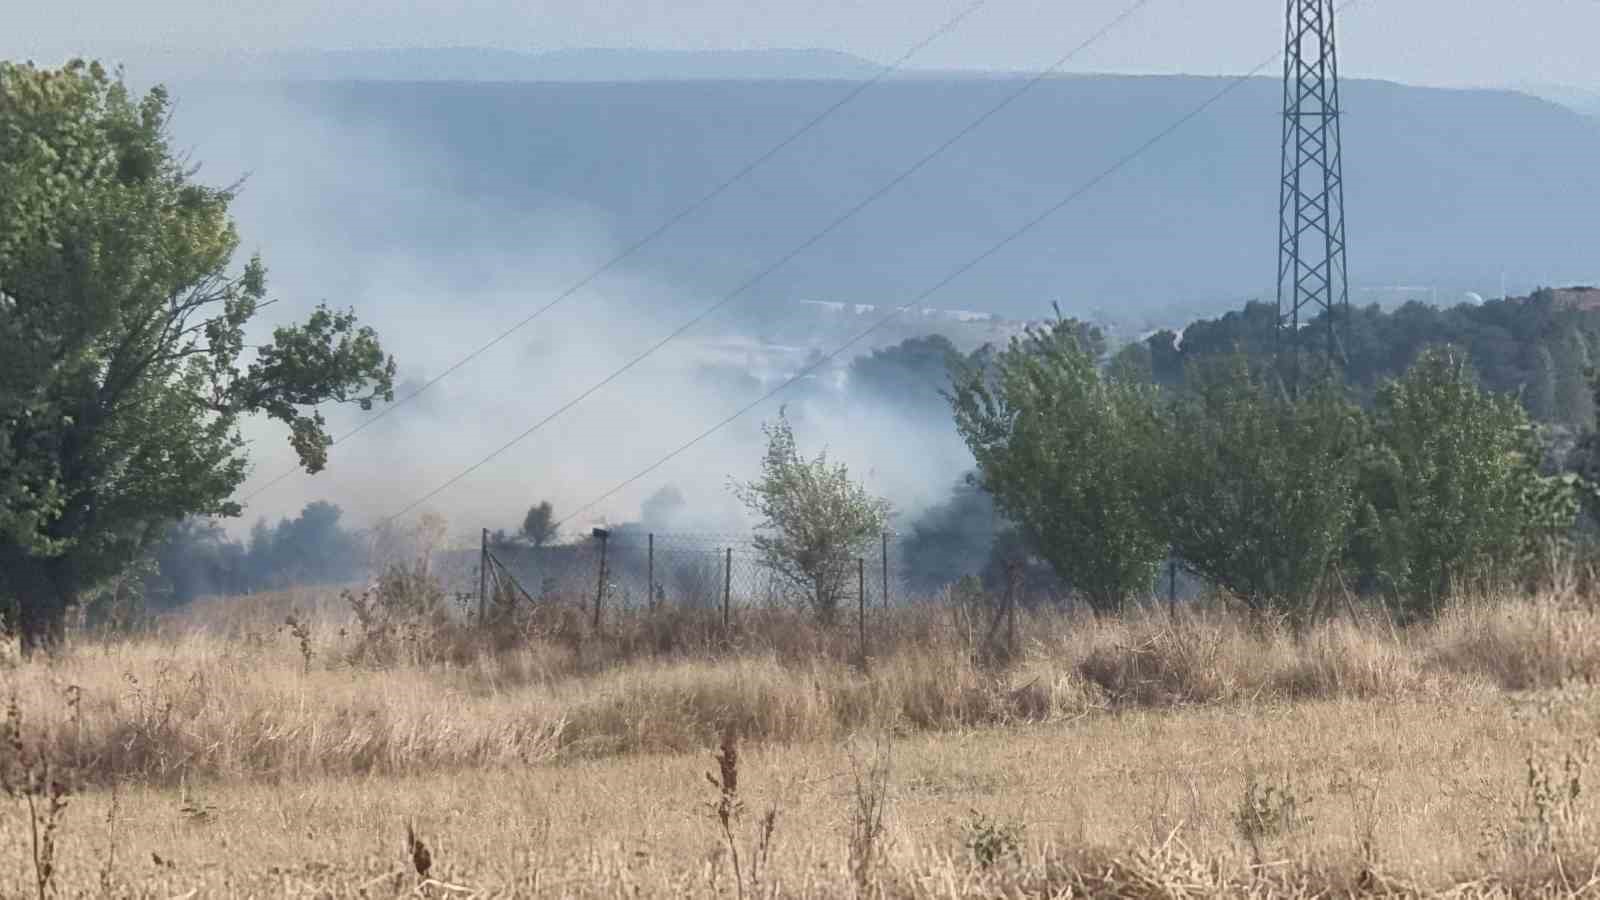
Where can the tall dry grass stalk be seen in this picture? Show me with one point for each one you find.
(225, 692)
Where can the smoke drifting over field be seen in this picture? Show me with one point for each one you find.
(447, 212)
(340, 211)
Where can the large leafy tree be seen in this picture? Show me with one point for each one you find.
(1455, 494)
(1070, 458)
(122, 332)
(1261, 485)
(815, 520)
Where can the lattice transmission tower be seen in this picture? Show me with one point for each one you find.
(1311, 237)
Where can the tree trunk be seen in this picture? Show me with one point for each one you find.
(42, 602)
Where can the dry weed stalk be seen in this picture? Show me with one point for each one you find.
(108, 866)
(300, 629)
(1268, 811)
(43, 786)
(728, 808)
(728, 805)
(870, 802)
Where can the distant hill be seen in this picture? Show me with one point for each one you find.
(1450, 188)
(1581, 100)
(484, 64)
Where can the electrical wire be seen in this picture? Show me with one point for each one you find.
(815, 238)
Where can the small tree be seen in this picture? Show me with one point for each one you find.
(539, 525)
(815, 521)
(1070, 457)
(1455, 493)
(1261, 487)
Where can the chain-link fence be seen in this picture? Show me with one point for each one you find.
(636, 570)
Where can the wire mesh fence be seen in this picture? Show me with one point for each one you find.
(641, 571)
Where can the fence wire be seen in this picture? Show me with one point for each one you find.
(664, 571)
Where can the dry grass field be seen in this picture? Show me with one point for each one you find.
(226, 754)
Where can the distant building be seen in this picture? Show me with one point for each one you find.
(1581, 297)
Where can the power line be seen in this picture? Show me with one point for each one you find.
(960, 270)
(861, 87)
(783, 260)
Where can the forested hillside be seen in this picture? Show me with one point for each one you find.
(435, 171)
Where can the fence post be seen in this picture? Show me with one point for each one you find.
(886, 571)
(600, 589)
(1172, 588)
(727, 587)
(861, 593)
(483, 578)
(1011, 610)
(650, 576)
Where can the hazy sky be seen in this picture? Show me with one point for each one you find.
(1441, 42)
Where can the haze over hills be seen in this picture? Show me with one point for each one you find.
(489, 64)
(447, 212)
(1579, 100)
(1436, 197)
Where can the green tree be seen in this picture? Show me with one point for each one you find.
(1134, 364)
(122, 324)
(1573, 402)
(1454, 493)
(1070, 458)
(1540, 398)
(814, 520)
(1261, 487)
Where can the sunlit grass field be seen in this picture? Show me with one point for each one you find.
(227, 754)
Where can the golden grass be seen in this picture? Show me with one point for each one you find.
(198, 700)
(1125, 748)
(1141, 803)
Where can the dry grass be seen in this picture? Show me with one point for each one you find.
(1142, 803)
(207, 699)
(254, 757)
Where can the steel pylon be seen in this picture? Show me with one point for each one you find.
(1311, 235)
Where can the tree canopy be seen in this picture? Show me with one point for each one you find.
(1535, 347)
(1070, 457)
(1260, 485)
(123, 319)
(1454, 493)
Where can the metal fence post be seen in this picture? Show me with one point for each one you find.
(600, 588)
(650, 584)
(886, 571)
(1172, 588)
(1011, 610)
(861, 593)
(727, 587)
(483, 578)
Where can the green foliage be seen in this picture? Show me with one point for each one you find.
(1540, 398)
(122, 324)
(1503, 338)
(1573, 402)
(1260, 487)
(1453, 490)
(1133, 364)
(815, 522)
(1070, 457)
